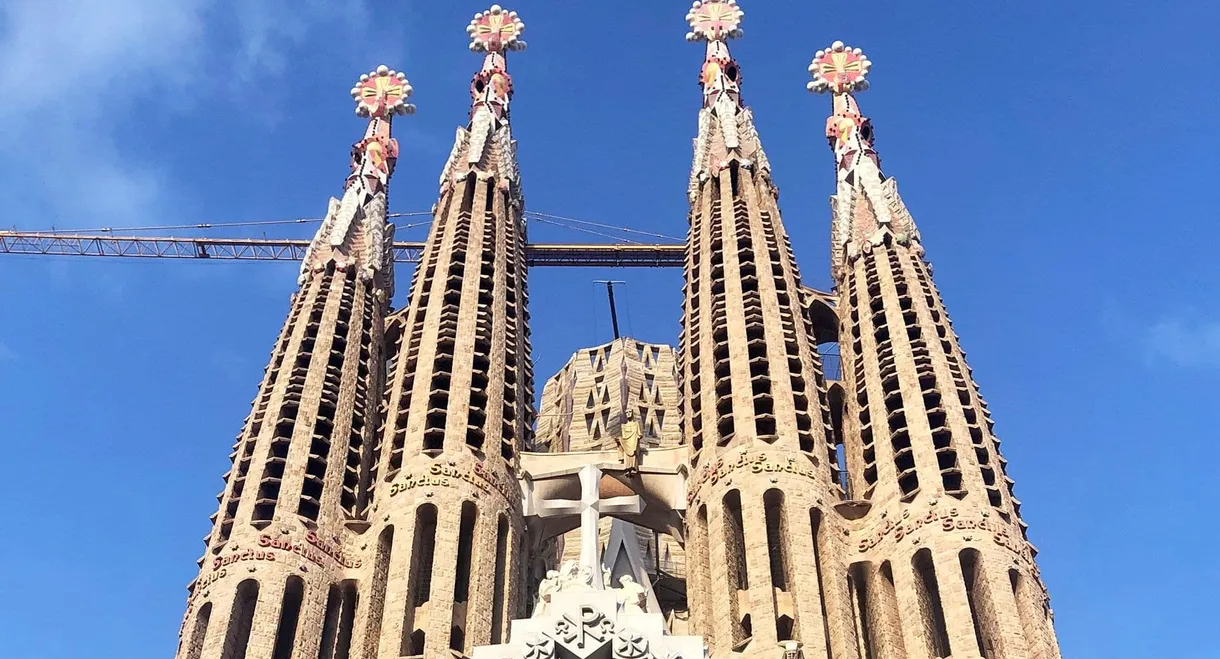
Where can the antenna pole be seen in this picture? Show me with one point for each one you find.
(613, 309)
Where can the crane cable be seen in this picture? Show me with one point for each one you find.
(539, 216)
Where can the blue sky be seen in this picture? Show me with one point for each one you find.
(1059, 158)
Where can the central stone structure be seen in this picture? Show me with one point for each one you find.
(389, 500)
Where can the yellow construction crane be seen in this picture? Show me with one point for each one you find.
(256, 249)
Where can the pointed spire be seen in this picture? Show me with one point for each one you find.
(726, 126)
(866, 206)
(354, 232)
(485, 146)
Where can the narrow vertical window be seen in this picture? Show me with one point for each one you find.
(240, 620)
(376, 593)
(933, 613)
(290, 614)
(773, 505)
(735, 554)
(419, 580)
(330, 623)
(497, 597)
(461, 582)
(858, 587)
(815, 526)
(199, 632)
(980, 601)
(777, 553)
(735, 541)
(703, 570)
(347, 619)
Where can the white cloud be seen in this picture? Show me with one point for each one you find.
(6, 353)
(1185, 343)
(71, 70)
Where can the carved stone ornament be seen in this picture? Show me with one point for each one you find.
(382, 93)
(839, 69)
(584, 633)
(630, 645)
(540, 647)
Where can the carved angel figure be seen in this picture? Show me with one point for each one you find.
(632, 597)
(549, 586)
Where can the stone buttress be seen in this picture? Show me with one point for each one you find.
(940, 563)
(280, 563)
(458, 406)
(763, 552)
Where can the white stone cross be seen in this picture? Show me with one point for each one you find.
(590, 507)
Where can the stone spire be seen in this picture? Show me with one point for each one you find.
(354, 233)
(726, 126)
(755, 412)
(458, 405)
(866, 206)
(942, 566)
(282, 558)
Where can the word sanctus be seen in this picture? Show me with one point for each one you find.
(244, 555)
(313, 551)
(756, 463)
(439, 475)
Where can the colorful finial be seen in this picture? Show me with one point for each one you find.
(496, 30)
(714, 20)
(382, 93)
(839, 70)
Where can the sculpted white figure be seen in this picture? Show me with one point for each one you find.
(632, 597)
(548, 587)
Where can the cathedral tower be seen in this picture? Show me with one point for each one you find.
(764, 467)
(278, 567)
(458, 406)
(942, 566)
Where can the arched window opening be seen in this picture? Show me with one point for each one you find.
(933, 613)
(735, 557)
(773, 506)
(237, 637)
(419, 578)
(735, 541)
(194, 649)
(290, 614)
(378, 580)
(423, 555)
(461, 584)
(858, 588)
(498, 600)
(977, 595)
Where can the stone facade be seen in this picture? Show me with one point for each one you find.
(584, 407)
(388, 497)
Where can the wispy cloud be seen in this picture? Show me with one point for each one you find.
(6, 353)
(1187, 343)
(72, 70)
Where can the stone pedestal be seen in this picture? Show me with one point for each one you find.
(584, 623)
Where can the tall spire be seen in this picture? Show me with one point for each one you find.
(726, 126)
(297, 496)
(458, 403)
(918, 435)
(866, 206)
(755, 410)
(485, 146)
(354, 233)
